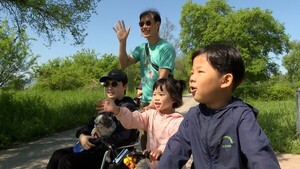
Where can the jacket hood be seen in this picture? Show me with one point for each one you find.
(234, 103)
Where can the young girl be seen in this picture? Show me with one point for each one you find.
(160, 123)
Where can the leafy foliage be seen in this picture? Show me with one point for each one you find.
(265, 92)
(16, 57)
(81, 69)
(276, 88)
(291, 62)
(49, 16)
(182, 68)
(134, 77)
(253, 31)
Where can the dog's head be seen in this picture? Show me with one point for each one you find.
(104, 120)
(104, 124)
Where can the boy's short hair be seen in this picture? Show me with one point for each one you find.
(117, 75)
(225, 59)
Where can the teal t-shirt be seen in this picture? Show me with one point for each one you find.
(163, 55)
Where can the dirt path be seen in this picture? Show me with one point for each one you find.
(289, 161)
(35, 155)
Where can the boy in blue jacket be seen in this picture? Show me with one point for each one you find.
(221, 132)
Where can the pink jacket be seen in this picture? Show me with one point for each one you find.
(159, 127)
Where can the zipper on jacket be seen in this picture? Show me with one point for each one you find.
(207, 145)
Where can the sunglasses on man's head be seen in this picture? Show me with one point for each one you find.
(148, 23)
(112, 84)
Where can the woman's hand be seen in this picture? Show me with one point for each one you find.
(84, 141)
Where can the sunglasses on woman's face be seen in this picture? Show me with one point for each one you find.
(148, 23)
(112, 84)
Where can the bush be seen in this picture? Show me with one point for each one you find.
(249, 91)
(267, 92)
(277, 92)
(74, 72)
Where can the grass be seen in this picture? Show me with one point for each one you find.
(31, 114)
(278, 120)
(28, 115)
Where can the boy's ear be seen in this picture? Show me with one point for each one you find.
(227, 80)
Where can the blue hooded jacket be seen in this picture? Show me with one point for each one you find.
(228, 138)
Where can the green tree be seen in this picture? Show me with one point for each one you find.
(291, 62)
(182, 67)
(82, 69)
(16, 57)
(48, 17)
(253, 31)
(167, 32)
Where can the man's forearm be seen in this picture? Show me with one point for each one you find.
(123, 57)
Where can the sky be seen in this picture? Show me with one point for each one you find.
(103, 40)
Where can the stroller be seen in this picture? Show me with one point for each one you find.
(113, 157)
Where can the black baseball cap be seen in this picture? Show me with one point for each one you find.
(117, 75)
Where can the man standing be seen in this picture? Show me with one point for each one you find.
(156, 56)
